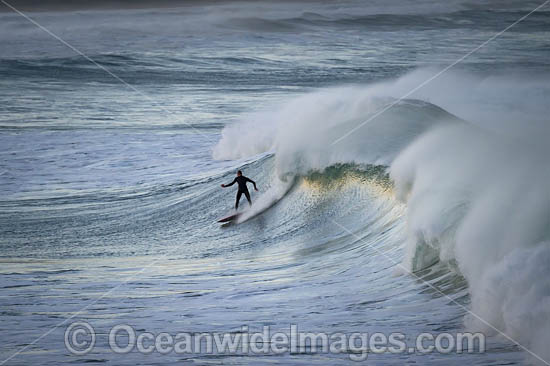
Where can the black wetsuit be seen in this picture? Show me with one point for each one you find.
(241, 181)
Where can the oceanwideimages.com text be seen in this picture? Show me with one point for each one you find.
(81, 338)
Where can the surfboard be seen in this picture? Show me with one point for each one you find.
(230, 217)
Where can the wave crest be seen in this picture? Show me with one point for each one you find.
(475, 197)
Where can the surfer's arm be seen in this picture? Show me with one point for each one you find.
(230, 184)
(251, 181)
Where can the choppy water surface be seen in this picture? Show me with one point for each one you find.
(109, 193)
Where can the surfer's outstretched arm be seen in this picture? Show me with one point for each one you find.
(230, 184)
(251, 181)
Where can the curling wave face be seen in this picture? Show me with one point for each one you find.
(476, 191)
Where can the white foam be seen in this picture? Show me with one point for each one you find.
(476, 192)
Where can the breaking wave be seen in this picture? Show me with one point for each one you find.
(476, 192)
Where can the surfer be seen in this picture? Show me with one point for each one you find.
(241, 181)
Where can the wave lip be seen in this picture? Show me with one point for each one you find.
(304, 133)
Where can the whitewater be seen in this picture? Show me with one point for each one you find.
(379, 210)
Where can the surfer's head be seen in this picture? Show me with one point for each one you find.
(239, 173)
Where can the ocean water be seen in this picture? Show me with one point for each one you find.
(389, 200)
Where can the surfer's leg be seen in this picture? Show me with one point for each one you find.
(239, 193)
(247, 194)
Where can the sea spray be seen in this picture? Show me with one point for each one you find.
(476, 191)
(482, 200)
